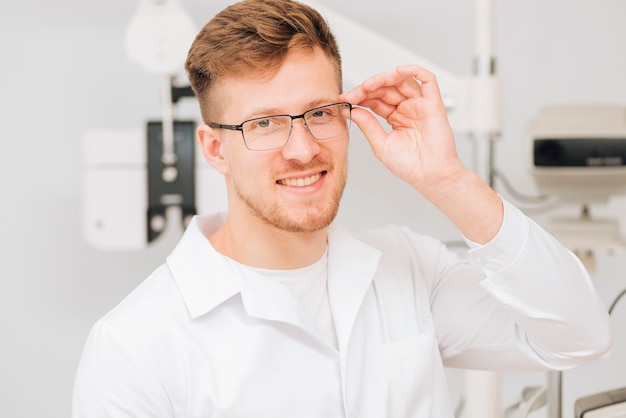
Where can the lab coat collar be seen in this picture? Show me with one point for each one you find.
(206, 279)
(202, 275)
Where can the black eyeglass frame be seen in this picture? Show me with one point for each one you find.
(301, 116)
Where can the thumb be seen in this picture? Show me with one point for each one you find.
(371, 128)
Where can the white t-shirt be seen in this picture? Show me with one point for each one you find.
(309, 285)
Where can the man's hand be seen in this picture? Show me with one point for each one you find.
(420, 147)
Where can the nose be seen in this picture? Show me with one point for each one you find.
(301, 145)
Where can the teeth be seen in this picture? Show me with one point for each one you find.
(302, 181)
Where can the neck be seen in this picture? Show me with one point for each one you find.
(265, 246)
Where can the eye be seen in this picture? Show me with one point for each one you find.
(261, 123)
(321, 115)
(266, 126)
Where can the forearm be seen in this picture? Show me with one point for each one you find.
(550, 295)
(472, 206)
(533, 298)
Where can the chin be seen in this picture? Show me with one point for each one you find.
(309, 219)
(311, 223)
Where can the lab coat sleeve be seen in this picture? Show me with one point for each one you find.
(116, 379)
(524, 303)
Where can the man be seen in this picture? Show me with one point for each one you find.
(273, 310)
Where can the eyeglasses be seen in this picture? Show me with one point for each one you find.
(272, 132)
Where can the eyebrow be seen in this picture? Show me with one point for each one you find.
(271, 111)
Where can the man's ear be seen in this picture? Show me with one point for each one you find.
(211, 146)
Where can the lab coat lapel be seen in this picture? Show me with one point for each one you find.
(351, 268)
(265, 299)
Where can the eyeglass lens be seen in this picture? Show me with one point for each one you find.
(271, 132)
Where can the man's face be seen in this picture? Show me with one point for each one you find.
(296, 188)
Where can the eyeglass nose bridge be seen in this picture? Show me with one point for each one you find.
(306, 126)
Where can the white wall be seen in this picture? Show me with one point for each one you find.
(63, 72)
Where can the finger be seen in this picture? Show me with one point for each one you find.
(381, 108)
(410, 88)
(371, 128)
(389, 95)
(363, 92)
(427, 80)
(380, 82)
(406, 84)
(355, 96)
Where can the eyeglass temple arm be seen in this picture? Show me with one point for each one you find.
(229, 127)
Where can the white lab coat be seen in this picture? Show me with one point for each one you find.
(201, 338)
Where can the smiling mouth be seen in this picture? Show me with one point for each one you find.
(301, 181)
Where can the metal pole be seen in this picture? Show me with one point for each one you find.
(554, 394)
(482, 388)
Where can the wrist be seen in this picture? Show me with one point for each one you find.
(446, 184)
(472, 206)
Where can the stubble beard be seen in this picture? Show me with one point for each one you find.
(313, 219)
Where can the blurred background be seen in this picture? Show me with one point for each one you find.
(64, 72)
